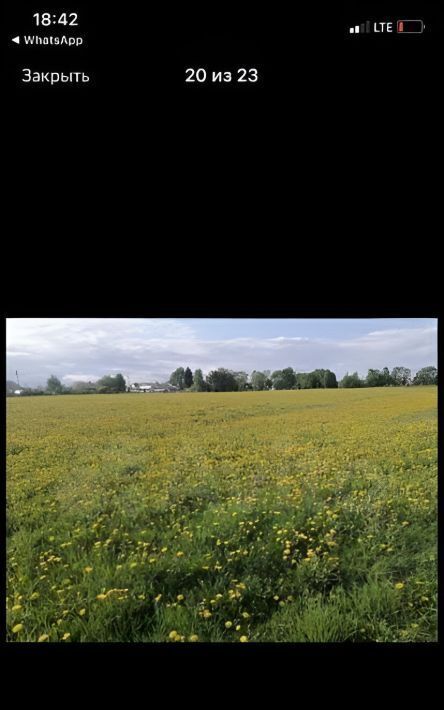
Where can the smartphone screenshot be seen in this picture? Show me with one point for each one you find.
(208, 51)
(221, 295)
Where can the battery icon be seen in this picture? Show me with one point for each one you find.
(410, 27)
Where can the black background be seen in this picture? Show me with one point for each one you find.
(314, 189)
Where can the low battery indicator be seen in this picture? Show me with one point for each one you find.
(410, 27)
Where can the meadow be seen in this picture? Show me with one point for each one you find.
(291, 516)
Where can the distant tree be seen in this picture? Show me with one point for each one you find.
(199, 384)
(221, 380)
(316, 379)
(301, 380)
(387, 377)
(120, 383)
(330, 380)
(32, 391)
(82, 387)
(241, 379)
(53, 385)
(283, 379)
(289, 377)
(311, 381)
(401, 376)
(351, 380)
(188, 378)
(278, 382)
(177, 378)
(319, 376)
(258, 380)
(426, 376)
(111, 384)
(375, 378)
(268, 383)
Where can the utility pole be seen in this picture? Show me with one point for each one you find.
(17, 375)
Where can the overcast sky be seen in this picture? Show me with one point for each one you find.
(150, 349)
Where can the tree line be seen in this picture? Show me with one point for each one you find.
(398, 377)
(109, 384)
(223, 380)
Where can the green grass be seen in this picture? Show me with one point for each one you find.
(303, 516)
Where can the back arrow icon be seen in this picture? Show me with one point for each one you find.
(16, 40)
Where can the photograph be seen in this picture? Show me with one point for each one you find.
(211, 480)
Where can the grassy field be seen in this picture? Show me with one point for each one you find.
(257, 516)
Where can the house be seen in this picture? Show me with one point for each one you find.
(140, 387)
(165, 388)
(152, 387)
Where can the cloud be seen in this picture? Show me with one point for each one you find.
(150, 349)
(78, 378)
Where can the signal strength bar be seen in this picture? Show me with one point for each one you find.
(363, 28)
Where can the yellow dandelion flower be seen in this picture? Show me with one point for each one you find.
(173, 635)
(238, 628)
(193, 638)
(180, 597)
(228, 624)
(17, 628)
(34, 595)
(66, 636)
(16, 607)
(399, 585)
(158, 598)
(245, 614)
(88, 570)
(180, 554)
(82, 612)
(101, 596)
(243, 639)
(43, 637)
